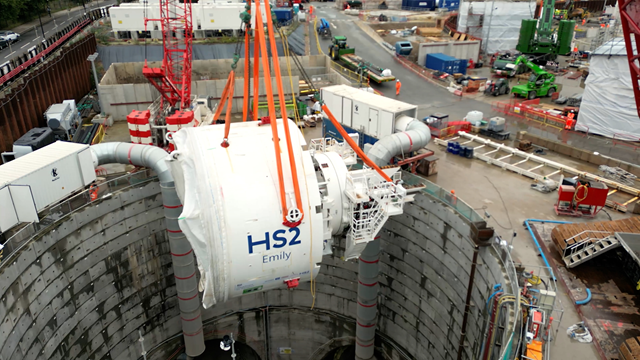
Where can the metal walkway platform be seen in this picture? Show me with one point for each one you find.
(578, 243)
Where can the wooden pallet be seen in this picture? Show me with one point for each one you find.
(605, 228)
(630, 349)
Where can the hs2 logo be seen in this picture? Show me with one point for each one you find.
(279, 240)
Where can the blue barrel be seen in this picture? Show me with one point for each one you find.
(451, 146)
(469, 153)
(454, 147)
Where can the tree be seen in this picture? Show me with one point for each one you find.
(11, 10)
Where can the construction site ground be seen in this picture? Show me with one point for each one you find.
(505, 196)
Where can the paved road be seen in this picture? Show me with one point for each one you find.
(430, 98)
(61, 19)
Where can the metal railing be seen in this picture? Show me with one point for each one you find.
(345, 151)
(445, 196)
(15, 66)
(581, 244)
(50, 216)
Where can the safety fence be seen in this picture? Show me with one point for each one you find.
(452, 128)
(524, 110)
(627, 140)
(50, 216)
(419, 70)
(11, 69)
(348, 74)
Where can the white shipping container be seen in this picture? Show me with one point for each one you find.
(222, 16)
(41, 178)
(363, 111)
(129, 18)
(214, 15)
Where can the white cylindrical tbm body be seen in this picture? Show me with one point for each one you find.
(232, 213)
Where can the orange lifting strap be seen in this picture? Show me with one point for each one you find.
(227, 119)
(353, 144)
(272, 111)
(225, 95)
(256, 72)
(283, 109)
(245, 100)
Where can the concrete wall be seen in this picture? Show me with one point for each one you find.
(85, 289)
(459, 49)
(119, 100)
(123, 88)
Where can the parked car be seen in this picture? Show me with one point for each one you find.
(3, 44)
(9, 36)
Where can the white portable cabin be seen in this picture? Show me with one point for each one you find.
(372, 114)
(39, 179)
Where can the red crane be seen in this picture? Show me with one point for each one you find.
(173, 79)
(630, 17)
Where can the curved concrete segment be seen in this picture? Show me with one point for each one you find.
(83, 288)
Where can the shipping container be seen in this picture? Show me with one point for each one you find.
(419, 4)
(450, 5)
(42, 178)
(446, 63)
(458, 49)
(371, 115)
(283, 15)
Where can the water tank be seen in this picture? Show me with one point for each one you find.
(474, 117)
(527, 33)
(496, 123)
(565, 36)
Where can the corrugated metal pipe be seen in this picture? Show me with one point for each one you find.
(184, 269)
(411, 135)
(367, 309)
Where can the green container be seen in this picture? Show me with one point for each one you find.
(527, 34)
(302, 109)
(565, 35)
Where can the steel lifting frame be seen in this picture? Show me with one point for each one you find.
(560, 168)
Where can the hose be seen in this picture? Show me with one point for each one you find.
(498, 289)
(586, 300)
(586, 191)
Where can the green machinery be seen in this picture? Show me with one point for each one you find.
(342, 53)
(540, 39)
(541, 82)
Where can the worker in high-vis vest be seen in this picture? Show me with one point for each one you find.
(568, 125)
(398, 86)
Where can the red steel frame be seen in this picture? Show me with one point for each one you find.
(173, 80)
(630, 17)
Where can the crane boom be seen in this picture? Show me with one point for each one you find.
(534, 68)
(630, 17)
(173, 79)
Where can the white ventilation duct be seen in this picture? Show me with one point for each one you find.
(411, 135)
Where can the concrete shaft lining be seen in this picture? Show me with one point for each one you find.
(83, 290)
